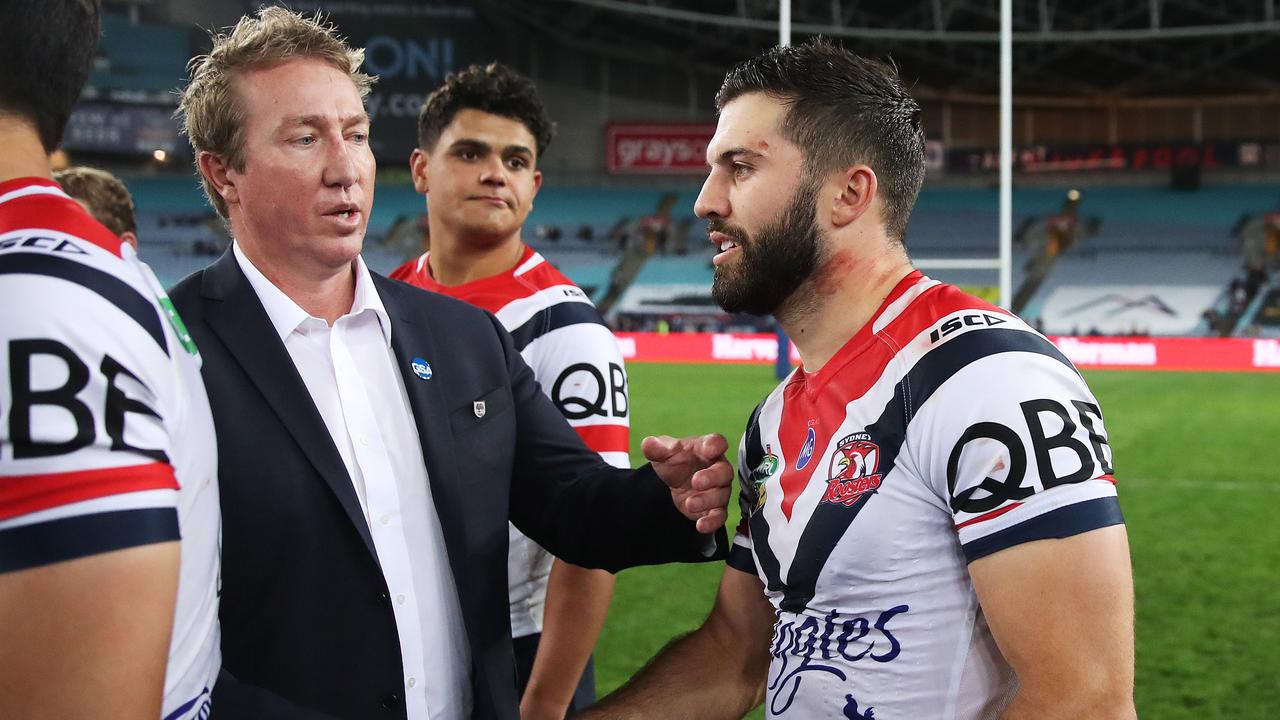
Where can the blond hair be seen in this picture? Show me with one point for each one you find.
(106, 198)
(211, 111)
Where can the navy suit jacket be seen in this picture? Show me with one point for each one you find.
(307, 625)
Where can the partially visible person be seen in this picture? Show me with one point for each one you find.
(106, 440)
(104, 196)
(375, 439)
(480, 138)
(930, 525)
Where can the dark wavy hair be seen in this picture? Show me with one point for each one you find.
(493, 88)
(843, 109)
(46, 50)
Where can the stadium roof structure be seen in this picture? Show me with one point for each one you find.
(1111, 48)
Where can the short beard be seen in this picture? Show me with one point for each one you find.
(776, 262)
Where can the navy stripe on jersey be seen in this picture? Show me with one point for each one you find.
(28, 546)
(740, 559)
(553, 318)
(1063, 522)
(830, 521)
(112, 289)
(757, 525)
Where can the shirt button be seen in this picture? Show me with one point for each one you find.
(385, 519)
(400, 599)
(364, 440)
(412, 682)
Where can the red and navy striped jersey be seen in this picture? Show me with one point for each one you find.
(945, 430)
(575, 358)
(106, 438)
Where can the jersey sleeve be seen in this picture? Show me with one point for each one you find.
(1014, 444)
(576, 359)
(84, 451)
(752, 471)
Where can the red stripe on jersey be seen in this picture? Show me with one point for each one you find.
(24, 494)
(988, 516)
(818, 400)
(874, 356)
(798, 417)
(491, 293)
(1000, 511)
(606, 438)
(53, 212)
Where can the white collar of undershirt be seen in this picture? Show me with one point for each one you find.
(286, 315)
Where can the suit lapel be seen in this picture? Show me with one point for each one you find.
(411, 338)
(236, 316)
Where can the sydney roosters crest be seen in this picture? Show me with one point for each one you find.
(852, 472)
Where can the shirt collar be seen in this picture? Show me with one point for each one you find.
(286, 315)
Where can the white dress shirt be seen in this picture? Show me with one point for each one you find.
(350, 372)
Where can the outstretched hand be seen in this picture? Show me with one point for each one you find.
(698, 474)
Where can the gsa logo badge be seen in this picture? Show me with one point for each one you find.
(806, 450)
(421, 368)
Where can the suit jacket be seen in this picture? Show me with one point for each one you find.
(307, 624)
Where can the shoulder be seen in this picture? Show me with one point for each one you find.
(413, 297)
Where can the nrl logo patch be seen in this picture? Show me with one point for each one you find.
(763, 471)
(852, 472)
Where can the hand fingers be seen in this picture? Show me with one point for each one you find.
(700, 503)
(657, 448)
(718, 475)
(711, 521)
(709, 447)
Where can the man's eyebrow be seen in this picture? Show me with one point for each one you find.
(737, 153)
(511, 149)
(470, 143)
(320, 120)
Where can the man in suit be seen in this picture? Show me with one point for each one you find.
(374, 439)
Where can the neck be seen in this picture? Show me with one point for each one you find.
(325, 293)
(840, 298)
(23, 154)
(456, 260)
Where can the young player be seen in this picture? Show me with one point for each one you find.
(481, 136)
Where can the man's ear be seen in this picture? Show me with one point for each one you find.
(418, 169)
(217, 172)
(537, 184)
(857, 190)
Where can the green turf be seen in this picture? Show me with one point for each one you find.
(1197, 460)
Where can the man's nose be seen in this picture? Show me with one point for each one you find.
(493, 171)
(341, 169)
(713, 200)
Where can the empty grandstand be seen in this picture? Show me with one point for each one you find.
(1177, 165)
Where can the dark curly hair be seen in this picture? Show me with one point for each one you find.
(493, 88)
(843, 109)
(46, 50)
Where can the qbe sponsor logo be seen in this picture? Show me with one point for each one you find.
(582, 390)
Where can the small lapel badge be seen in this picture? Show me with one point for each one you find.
(421, 368)
(478, 408)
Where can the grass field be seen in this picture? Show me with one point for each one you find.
(1197, 459)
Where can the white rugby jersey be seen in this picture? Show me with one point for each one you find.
(575, 358)
(943, 431)
(106, 439)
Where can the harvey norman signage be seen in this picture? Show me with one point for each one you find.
(1159, 353)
